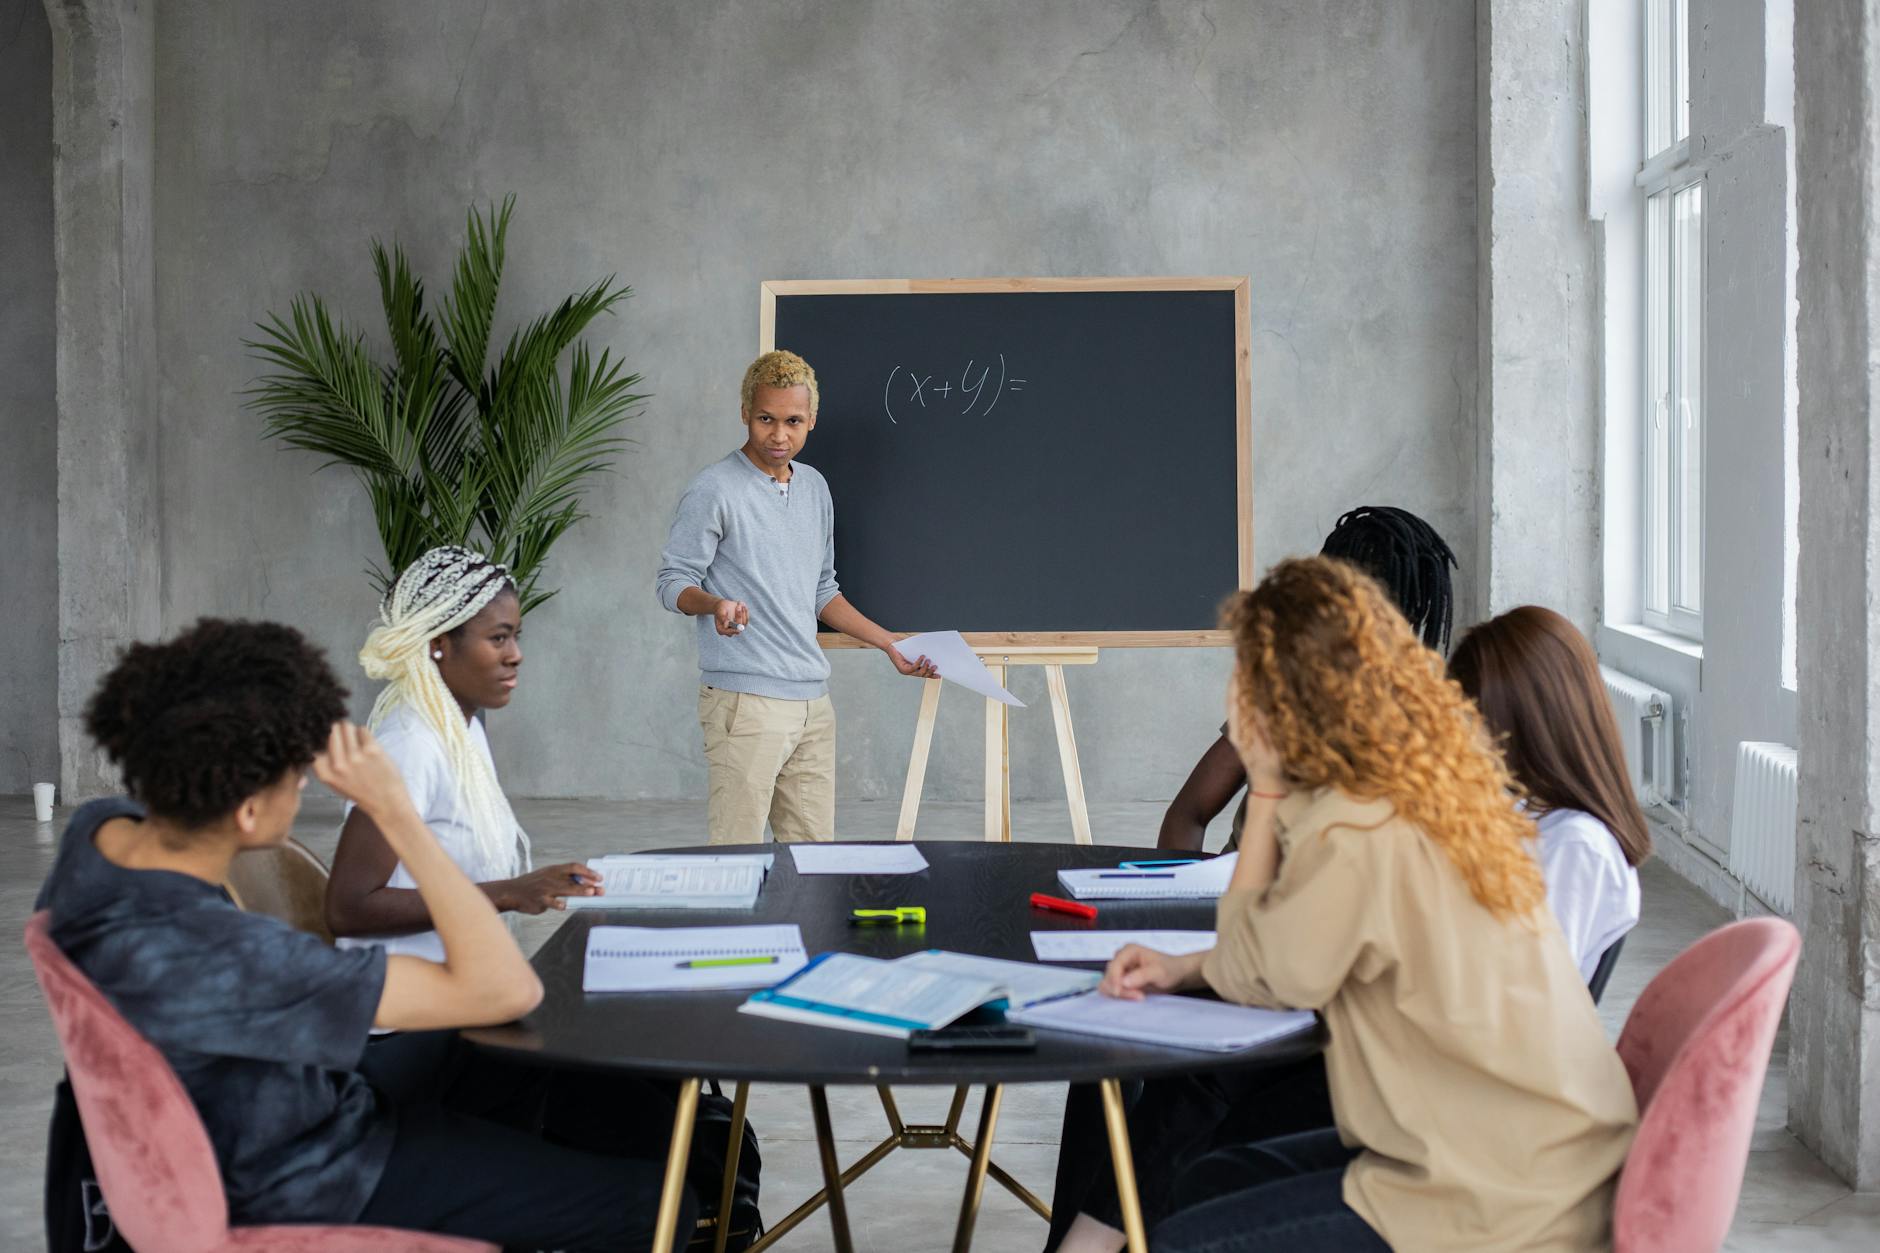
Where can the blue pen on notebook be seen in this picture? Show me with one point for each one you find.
(1144, 865)
(1136, 874)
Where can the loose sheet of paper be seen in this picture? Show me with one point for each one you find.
(1100, 946)
(838, 858)
(957, 661)
(652, 959)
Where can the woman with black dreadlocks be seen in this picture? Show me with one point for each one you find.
(1399, 550)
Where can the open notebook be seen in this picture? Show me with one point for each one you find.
(922, 991)
(1203, 880)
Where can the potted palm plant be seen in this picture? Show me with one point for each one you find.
(454, 443)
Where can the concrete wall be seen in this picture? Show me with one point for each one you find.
(1834, 1011)
(29, 588)
(696, 149)
(1538, 451)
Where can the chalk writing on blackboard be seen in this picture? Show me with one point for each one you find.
(910, 392)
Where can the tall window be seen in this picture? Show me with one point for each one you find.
(1673, 565)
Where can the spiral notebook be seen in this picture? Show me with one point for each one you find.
(1203, 880)
(676, 959)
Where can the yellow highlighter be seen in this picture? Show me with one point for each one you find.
(709, 963)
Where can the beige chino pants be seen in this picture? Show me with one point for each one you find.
(769, 760)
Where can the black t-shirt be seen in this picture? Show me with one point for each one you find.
(265, 1025)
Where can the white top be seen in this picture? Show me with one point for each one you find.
(415, 748)
(1593, 893)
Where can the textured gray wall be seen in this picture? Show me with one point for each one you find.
(29, 589)
(697, 149)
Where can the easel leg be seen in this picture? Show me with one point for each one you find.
(1067, 753)
(998, 766)
(917, 764)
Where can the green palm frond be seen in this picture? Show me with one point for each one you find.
(450, 449)
(471, 309)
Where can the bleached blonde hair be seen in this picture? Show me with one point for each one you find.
(438, 593)
(781, 368)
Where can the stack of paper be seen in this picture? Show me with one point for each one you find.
(1100, 946)
(1178, 1021)
(671, 959)
(1203, 880)
(676, 881)
(857, 859)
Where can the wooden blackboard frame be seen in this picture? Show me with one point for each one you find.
(770, 289)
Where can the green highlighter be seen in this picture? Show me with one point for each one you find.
(916, 914)
(709, 963)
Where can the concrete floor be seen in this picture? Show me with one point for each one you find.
(1790, 1201)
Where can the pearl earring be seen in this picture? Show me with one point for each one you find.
(437, 655)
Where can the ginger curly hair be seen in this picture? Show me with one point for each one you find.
(1352, 700)
(778, 368)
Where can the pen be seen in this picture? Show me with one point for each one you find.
(708, 963)
(1058, 904)
(1137, 874)
(1144, 865)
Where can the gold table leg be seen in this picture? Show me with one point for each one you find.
(832, 1171)
(731, 1167)
(976, 1173)
(672, 1191)
(1137, 1241)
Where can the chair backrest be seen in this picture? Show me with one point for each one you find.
(1603, 970)
(155, 1164)
(1696, 1045)
(286, 882)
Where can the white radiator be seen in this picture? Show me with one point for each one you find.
(1762, 823)
(1644, 715)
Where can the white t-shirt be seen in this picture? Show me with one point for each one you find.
(419, 754)
(1593, 893)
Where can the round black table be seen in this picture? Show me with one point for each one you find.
(977, 898)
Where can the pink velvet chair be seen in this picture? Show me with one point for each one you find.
(1697, 1045)
(153, 1158)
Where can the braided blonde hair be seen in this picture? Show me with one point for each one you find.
(438, 593)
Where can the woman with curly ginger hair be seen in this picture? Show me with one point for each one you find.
(1386, 880)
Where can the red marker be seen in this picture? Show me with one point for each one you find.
(1058, 904)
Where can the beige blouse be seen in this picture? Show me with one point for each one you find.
(1465, 1060)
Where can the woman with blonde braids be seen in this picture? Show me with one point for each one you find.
(1386, 880)
(448, 644)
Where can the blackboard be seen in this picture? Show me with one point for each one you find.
(1031, 461)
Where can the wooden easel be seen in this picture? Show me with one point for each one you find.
(999, 740)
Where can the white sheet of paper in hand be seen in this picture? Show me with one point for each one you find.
(957, 661)
(836, 858)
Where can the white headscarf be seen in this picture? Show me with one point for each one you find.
(438, 593)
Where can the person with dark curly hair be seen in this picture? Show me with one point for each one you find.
(266, 1026)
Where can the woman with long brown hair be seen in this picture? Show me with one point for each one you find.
(1386, 880)
(1536, 681)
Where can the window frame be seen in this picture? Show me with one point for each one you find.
(1667, 322)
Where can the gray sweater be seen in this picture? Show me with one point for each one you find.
(736, 535)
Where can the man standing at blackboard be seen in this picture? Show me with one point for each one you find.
(751, 555)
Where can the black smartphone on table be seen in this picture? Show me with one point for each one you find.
(989, 1038)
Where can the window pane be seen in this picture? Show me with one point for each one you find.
(1659, 90)
(1681, 69)
(1657, 450)
(1687, 321)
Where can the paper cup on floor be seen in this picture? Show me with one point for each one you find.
(42, 802)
